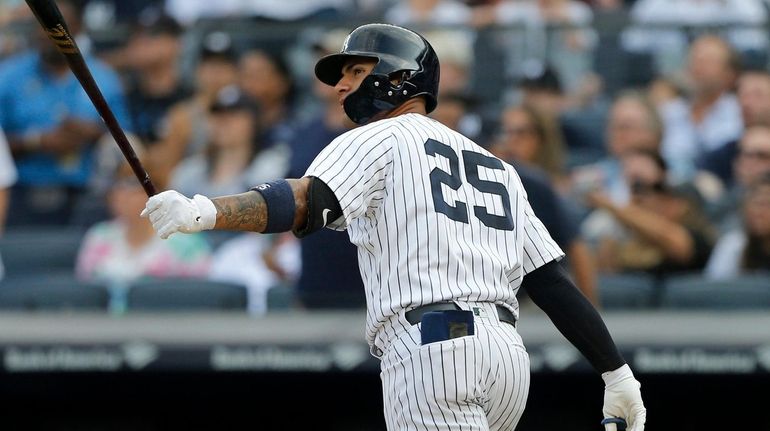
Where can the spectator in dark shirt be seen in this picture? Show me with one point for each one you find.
(51, 126)
(330, 276)
(155, 85)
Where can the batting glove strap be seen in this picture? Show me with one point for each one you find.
(611, 378)
(208, 212)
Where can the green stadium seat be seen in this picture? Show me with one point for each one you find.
(52, 293)
(696, 292)
(182, 294)
(627, 291)
(40, 250)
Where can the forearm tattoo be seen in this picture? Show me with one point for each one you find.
(245, 211)
(248, 211)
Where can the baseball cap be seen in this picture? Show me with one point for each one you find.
(232, 98)
(217, 45)
(543, 79)
(153, 21)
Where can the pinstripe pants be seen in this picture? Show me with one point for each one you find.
(477, 382)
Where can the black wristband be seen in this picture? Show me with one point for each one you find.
(279, 199)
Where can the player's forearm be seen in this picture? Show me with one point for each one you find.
(248, 211)
(573, 315)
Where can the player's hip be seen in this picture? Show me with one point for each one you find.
(481, 326)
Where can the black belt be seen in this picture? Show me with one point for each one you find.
(414, 316)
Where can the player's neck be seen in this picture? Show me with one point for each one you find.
(415, 105)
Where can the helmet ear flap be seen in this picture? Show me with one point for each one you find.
(376, 94)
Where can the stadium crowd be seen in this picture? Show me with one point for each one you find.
(640, 129)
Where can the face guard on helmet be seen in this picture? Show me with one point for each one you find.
(402, 56)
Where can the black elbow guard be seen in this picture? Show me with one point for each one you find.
(322, 207)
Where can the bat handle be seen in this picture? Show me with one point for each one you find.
(614, 424)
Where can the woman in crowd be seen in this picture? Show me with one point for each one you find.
(126, 248)
(533, 138)
(234, 159)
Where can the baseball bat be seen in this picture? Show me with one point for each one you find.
(50, 18)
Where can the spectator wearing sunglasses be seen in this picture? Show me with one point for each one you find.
(750, 164)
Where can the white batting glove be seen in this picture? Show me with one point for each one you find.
(623, 399)
(171, 212)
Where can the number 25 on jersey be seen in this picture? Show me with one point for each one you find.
(471, 163)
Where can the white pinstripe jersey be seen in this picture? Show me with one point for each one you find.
(435, 217)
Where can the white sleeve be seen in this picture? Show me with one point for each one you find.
(539, 247)
(355, 167)
(7, 168)
(725, 259)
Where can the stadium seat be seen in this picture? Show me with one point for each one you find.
(40, 250)
(52, 293)
(627, 291)
(280, 298)
(182, 294)
(695, 291)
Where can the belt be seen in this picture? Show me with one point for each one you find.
(414, 316)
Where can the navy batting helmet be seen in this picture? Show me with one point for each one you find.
(402, 55)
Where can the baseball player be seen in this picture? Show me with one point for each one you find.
(445, 239)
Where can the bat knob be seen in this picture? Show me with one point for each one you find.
(614, 424)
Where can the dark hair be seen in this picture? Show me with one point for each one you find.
(281, 65)
(655, 156)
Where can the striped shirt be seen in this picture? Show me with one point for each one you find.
(435, 217)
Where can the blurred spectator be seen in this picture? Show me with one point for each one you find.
(126, 248)
(669, 98)
(670, 44)
(190, 11)
(100, 15)
(754, 100)
(50, 125)
(746, 249)
(581, 116)
(557, 34)
(533, 138)
(531, 141)
(259, 262)
(266, 78)
(662, 227)
(330, 276)
(561, 224)
(457, 111)
(7, 178)
(12, 12)
(152, 57)
(633, 125)
(234, 160)
(188, 131)
(716, 116)
(751, 163)
(428, 12)
(455, 52)
(713, 116)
